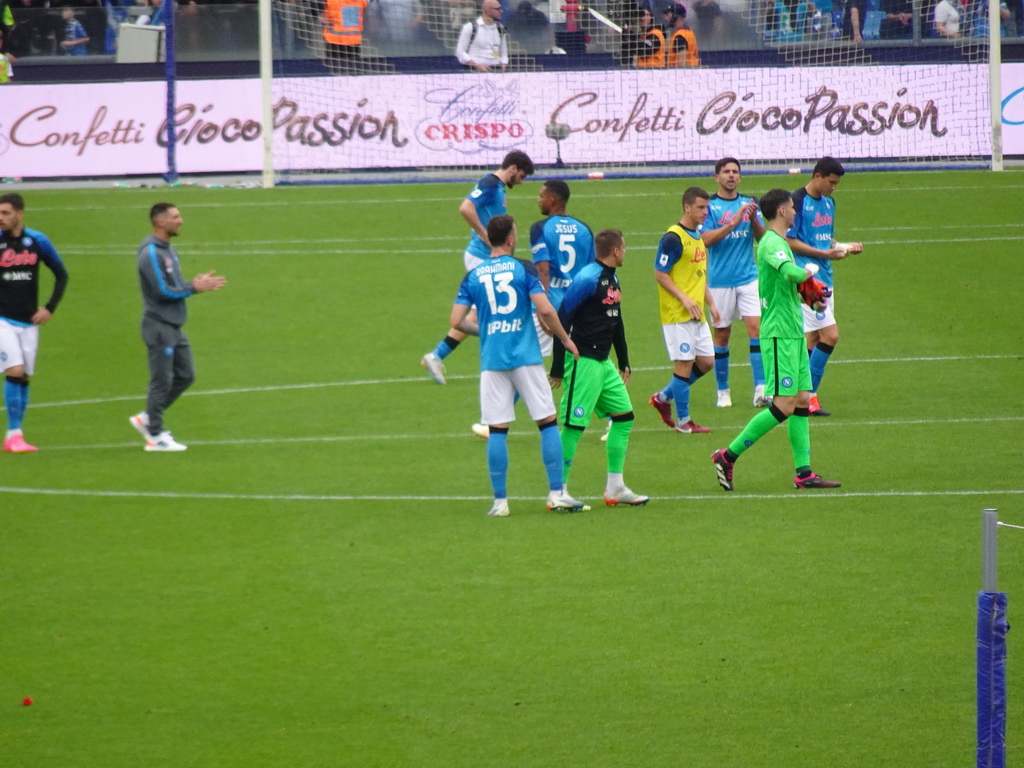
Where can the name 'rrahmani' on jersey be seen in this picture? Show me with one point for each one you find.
(814, 225)
(19, 275)
(567, 244)
(592, 314)
(731, 260)
(500, 288)
(488, 197)
(681, 254)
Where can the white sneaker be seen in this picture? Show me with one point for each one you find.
(500, 508)
(140, 421)
(760, 400)
(164, 442)
(724, 398)
(481, 430)
(563, 502)
(625, 496)
(607, 431)
(434, 367)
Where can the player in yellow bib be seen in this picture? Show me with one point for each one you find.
(685, 303)
(787, 371)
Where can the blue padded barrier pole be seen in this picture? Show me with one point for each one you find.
(991, 640)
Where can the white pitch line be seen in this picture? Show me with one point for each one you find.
(467, 435)
(592, 192)
(115, 248)
(423, 381)
(722, 495)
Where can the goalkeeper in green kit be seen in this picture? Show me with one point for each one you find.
(781, 285)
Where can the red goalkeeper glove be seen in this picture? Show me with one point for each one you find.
(814, 293)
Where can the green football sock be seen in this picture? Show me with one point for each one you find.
(756, 428)
(800, 439)
(615, 447)
(570, 441)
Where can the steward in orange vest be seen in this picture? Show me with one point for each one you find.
(344, 22)
(682, 43)
(651, 54)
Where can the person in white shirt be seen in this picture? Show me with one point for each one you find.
(947, 18)
(483, 43)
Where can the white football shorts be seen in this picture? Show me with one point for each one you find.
(736, 303)
(18, 346)
(498, 390)
(472, 261)
(547, 342)
(689, 340)
(815, 321)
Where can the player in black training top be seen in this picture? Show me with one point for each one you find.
(591, 312)
(21, 251)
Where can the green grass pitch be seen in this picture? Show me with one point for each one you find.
(315, 582)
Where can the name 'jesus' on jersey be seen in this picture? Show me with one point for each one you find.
(488, 197)
(730, 260)
(567, 244)
(814, 225)
(19, 274)
(500, 289)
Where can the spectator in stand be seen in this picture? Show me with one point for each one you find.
(791, 20)
(6, 22)
(75, 39)
(483, 43)
(853, 20)
(6, 60)
(980, 26)
(899, 19)
(681, 46)
(708, 18)
(946, 18)
(530, 27)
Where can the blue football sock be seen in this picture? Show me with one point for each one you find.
(445, 347)
(16, 400)
(681, 393)
(497, 461)
(695, 373)
(667, 394)
(722, 367)
(551, 453)
(756, 364)
(819, 357)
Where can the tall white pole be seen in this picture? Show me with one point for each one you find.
(995, 82)
(266, 78)
(989, 549)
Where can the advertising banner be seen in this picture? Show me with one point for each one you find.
(1013, 108)
(423, 121)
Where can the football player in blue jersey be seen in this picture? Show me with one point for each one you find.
(732, 226)
(485, 201)
(812, 239)
(21, 251)
(561, 245)
(504, 294)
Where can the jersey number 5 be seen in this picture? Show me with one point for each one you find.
(567, 247)
(499, 284)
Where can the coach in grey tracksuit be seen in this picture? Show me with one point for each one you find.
(164, 291)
